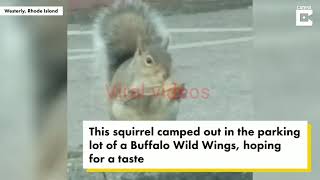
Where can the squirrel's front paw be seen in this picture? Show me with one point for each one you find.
(175, 91)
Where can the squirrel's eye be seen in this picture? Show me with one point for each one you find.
(149, 61)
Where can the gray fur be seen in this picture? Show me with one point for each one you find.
(120, 26)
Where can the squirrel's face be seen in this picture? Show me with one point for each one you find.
(153, 65)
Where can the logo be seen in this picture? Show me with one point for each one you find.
(303, 16)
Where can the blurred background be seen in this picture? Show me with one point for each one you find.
(33, 78)
(211, 46)
(285, 71)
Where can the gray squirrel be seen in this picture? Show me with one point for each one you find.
(135, 42)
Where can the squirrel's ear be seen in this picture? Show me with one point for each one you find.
(140, 45)
(166, 42)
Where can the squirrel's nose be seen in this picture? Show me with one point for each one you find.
(164, 76)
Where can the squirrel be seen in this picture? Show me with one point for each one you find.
(139, 65)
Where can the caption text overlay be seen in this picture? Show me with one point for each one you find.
(196, 144)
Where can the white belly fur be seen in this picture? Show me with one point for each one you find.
(167, 110)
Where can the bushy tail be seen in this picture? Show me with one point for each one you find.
(120, 27)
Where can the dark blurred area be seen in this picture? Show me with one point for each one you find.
(33, 57)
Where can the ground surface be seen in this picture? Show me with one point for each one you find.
(218, 61)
